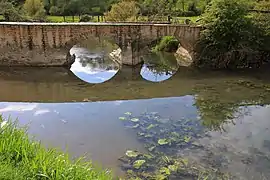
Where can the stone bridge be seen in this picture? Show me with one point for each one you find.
(48, 44)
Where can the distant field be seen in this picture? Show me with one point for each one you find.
(61, 19)
(68, 19)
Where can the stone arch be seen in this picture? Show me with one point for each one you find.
(187, 36)
(87, 36)
(83, 37)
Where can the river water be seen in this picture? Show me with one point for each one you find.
(78, 110)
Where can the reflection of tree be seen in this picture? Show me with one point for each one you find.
(102, 63)
(217, 106)
(161, 63)
(214, 113)
(93, 54)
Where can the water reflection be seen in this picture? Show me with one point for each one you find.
(233, 109)
(93, 67)
(92, 128)
(159, 66)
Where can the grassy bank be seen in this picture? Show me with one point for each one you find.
(21, 158)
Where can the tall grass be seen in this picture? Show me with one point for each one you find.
(22, 158)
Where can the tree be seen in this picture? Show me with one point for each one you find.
(35, 9)
(73, 8)
(230, 39)
(55, 11)
(123, 11)
(263, 19)
(10, 12)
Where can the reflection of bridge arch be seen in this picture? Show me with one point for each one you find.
(127, 74)
(60, 85)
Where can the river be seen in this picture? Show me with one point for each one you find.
(82, 110)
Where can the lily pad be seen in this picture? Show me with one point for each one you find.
(185, 162)
(137, 164)
(148, 136)
(187, 139)
(148, 156)
(128, 113)
(165, 170)
(173, 167)
(163, 141)
(151, 148)
(141, 133)
(151, 126)
(135, 126)
(122, 118)
(175, 134)
(134, 120)
(130, 153)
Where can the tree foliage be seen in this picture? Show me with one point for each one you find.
(230, 39)
(263, 19)
(10, 12)
(55, 11)
(123, 11)
(35, 9)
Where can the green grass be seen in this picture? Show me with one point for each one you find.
(22, 158)
(68, 19)
(61, 19)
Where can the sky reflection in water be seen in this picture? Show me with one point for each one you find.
(96, 67)
(92, 67)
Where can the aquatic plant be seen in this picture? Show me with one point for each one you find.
(164, 138)
(22, 158)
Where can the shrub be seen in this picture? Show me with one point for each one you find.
(35, 9)
(123, 11)
(263, 19)
(167, 44)
(85, 18)
(11, 13)
(230, 39)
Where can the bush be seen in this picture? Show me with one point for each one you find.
(123, 11)
(11, 13)
(263, 19)
(167, 44)
(21, 158)
(230, 39)
(35, 9)
(192, 8)
(185, 14)
(85, 18)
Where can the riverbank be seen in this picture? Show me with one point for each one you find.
(21, 158)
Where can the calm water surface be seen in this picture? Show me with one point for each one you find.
(79, 111)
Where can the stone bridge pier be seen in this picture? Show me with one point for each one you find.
(48, 44)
